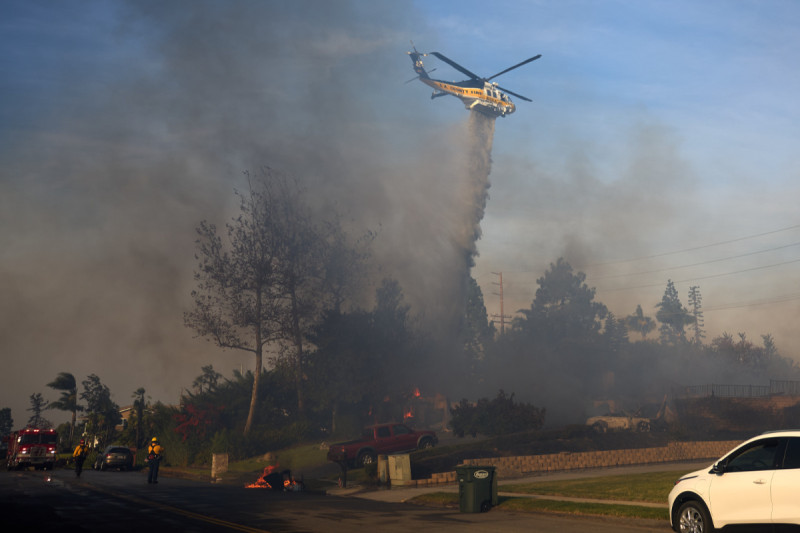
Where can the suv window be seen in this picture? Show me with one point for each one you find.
(759, 455)
(401, 430)
(384, 432)
(792, 457)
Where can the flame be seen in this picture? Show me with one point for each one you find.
(261, 483)
(289, 483)
(409, 413)
(417, 394)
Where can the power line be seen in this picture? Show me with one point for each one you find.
(673, 253)
(766, 301)
(694, 264)
(705, 277)
(694, 248)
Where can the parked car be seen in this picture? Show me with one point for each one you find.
(378, 440)
(756, 484)
(118, 457)
(618, 422)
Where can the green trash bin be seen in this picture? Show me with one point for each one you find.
(477, 488)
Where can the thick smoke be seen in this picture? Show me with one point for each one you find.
(101, 196)
(119, 155)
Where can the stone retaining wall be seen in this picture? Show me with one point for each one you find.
(511, 467)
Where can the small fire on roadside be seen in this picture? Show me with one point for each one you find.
(409, 413)
(273, 480)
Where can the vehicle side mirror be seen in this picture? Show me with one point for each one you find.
(718, 468)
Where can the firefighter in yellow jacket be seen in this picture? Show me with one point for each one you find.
(154, 453)
(79, 456)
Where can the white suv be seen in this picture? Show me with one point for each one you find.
(757, 482)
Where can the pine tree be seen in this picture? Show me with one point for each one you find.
(37, 406)
(673, 316)
(696, 310)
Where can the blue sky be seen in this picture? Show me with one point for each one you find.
(661, 143)
(704, 92)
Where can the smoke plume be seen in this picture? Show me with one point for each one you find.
(130, 150)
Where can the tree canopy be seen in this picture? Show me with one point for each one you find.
(673, 316)
(68, 401)
(271, 280)
(38, 404)
(102, 413)
(564, 305)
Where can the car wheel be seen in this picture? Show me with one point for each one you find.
(600, 426)
(365, 458)
(694, 518)
(644, 426)
(426, 443)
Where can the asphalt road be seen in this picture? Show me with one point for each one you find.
(122, 502)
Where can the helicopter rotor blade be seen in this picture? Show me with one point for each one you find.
(456, 66)
(515, 66)
(515, 94)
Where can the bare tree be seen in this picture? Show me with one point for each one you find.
(234, 304)
(271, 279)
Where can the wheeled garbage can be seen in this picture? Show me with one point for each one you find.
(477, 488)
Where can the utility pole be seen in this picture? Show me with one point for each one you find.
(502, 315)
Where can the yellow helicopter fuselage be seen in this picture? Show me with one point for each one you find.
(487, 99)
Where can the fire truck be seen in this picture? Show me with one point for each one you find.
(32, 447)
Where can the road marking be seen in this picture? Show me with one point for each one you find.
(177, 510)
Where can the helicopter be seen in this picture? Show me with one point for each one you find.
(477, 93)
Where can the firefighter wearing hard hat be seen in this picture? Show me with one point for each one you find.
(79, 456)
(154, 453)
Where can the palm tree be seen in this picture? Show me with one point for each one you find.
(65, 382)
(139, 403)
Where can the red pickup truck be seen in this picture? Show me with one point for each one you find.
(380, 439)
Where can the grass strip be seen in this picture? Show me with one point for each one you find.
(523, 504)
(649, 487)
(573, 508)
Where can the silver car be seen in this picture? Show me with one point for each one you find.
(114, 457)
